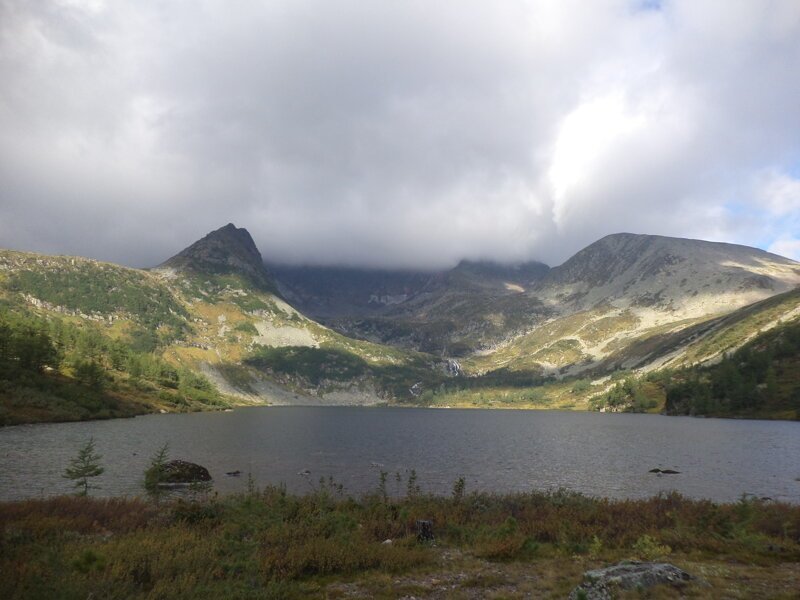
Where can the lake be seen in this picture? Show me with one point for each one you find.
(495, 450)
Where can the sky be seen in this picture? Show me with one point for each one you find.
(399, 134)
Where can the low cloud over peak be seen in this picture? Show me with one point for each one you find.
(406, 134)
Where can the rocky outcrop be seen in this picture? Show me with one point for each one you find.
(181, 472)
(604, 584)
(225, 250)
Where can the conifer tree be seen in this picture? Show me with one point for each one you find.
(83, 467)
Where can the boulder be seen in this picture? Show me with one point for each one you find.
(176, 472)
(602, 584)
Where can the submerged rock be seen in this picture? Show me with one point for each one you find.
(602, 584)
(176, 472)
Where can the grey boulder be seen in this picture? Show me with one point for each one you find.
(601, 584)
(181, 472)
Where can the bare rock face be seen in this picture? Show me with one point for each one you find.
(603, 584)
(226, 250)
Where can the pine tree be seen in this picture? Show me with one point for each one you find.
(83, 467)
(155, 472)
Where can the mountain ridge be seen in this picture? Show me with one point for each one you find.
(208, 328)
(477, 306)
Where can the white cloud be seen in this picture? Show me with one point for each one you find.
(789, 247)
(778, 192)
(406, 134)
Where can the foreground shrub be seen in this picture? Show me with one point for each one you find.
(328, 556)
(272, 544)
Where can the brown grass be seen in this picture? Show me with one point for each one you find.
(272, 544)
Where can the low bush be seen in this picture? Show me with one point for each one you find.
(269, 543)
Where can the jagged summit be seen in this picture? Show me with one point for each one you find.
(229, 249)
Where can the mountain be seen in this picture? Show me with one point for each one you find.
(682, 277)
(205, 329)
(615, 327)
(625, 291)
(454, 312)
(226, 251)
(336, 292)
(582, 315)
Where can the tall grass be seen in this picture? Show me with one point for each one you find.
(268, 543)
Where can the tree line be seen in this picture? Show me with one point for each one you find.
(34, 350)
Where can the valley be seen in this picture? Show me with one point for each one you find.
(622, 325)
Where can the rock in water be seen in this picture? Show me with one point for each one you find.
(181, 471)
(601, 584)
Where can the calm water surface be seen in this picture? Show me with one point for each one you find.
(496, 450)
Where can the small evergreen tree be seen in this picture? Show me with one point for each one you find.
(83, 467)
(155, 472)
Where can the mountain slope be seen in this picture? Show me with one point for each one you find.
(744, 364)
(685, 278)
(761, 378)
(206, 321)
(208, 328)
(627, 291)
(455, 312)
(225, 251)
(615, 293)
(79, 339)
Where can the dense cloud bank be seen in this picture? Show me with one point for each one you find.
(397, 133)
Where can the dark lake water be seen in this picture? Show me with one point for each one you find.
(495, 450)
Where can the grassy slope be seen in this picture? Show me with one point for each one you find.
(693, 375)
(676, 345)
(183, 323)
(734, 330)
(105, 316)
(267, 544)
(218, 319)
(231, 322)
(761, 379)
(562, 342)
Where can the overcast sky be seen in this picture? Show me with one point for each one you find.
(397, 132)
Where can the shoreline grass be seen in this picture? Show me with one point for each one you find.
(271, 544)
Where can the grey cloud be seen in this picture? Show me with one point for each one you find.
(391, 134)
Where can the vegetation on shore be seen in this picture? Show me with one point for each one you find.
(760, 379)
(270, 544)
(56, 369)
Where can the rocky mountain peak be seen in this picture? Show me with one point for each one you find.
(229, 249)
(684, 276)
